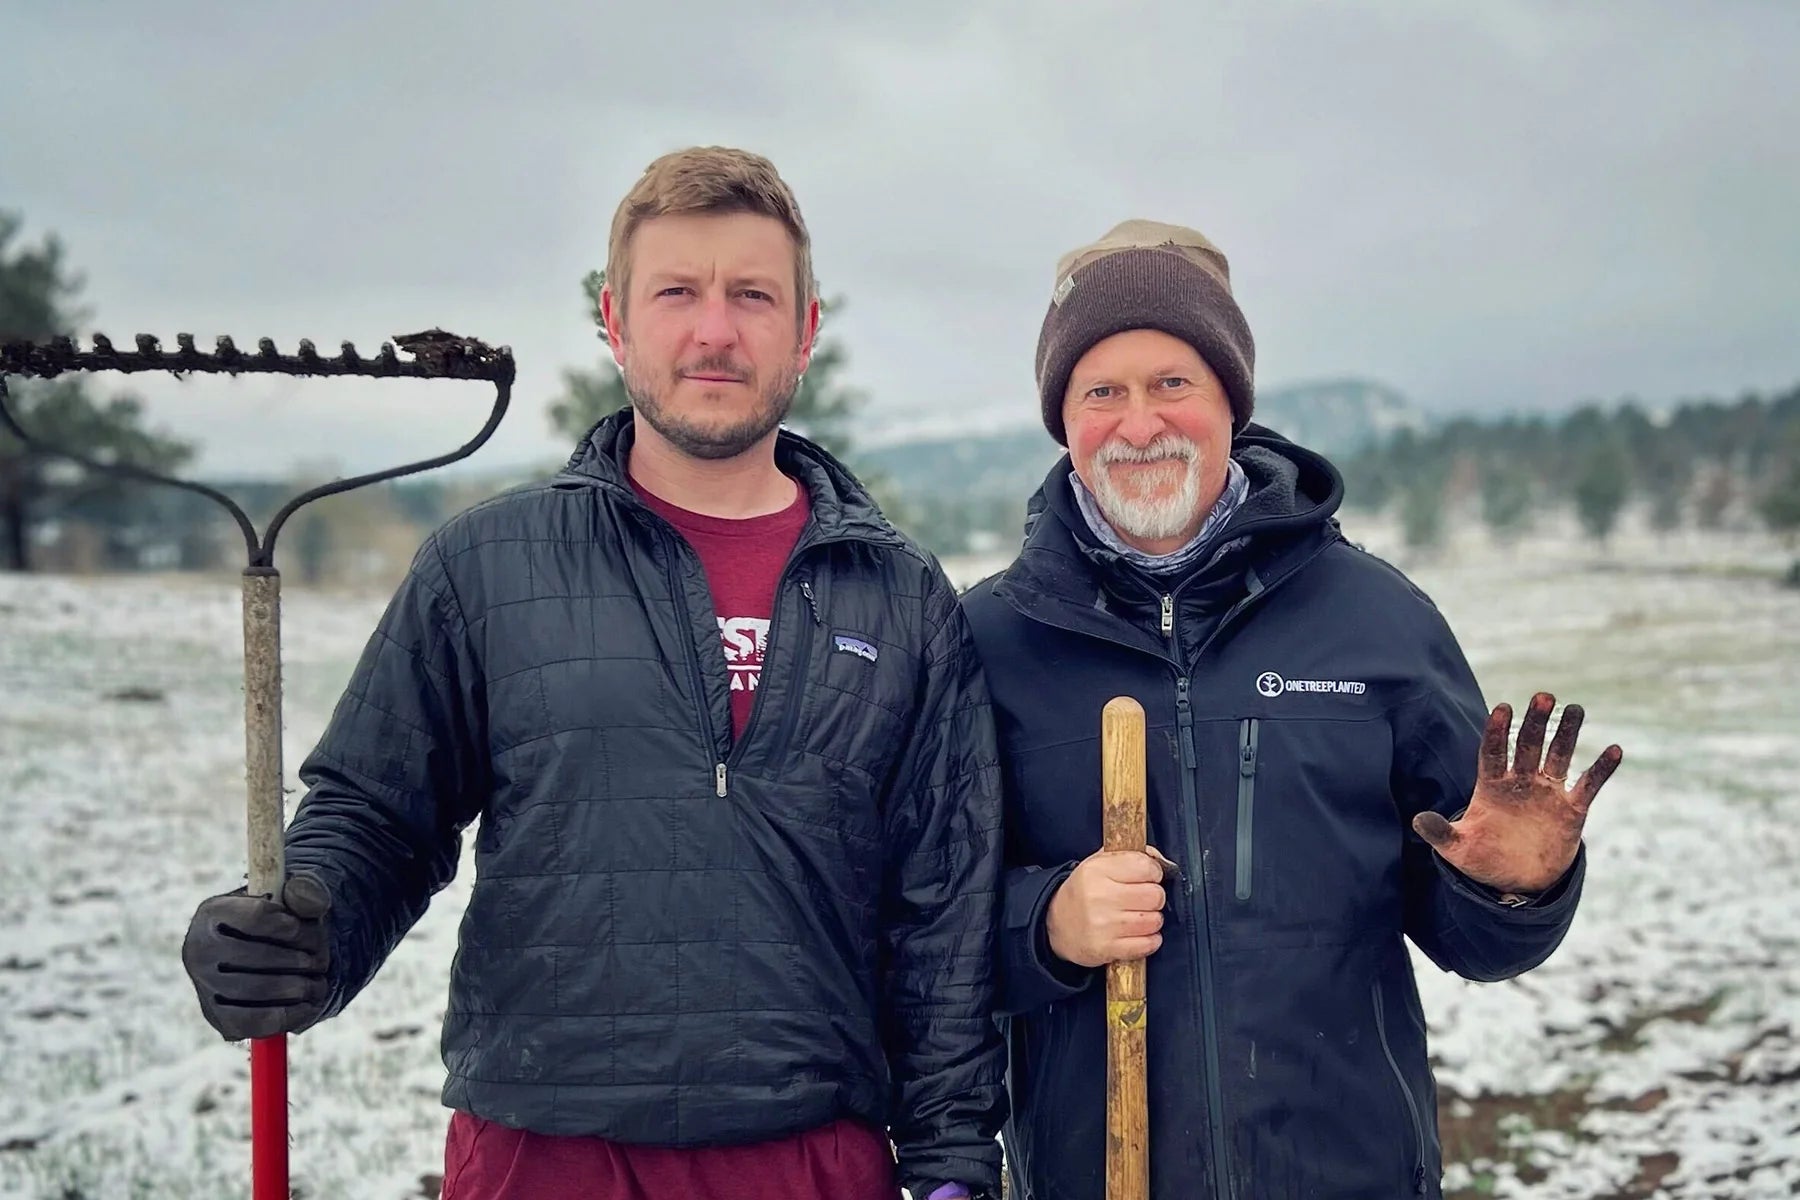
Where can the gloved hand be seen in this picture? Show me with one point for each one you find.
(259, 966)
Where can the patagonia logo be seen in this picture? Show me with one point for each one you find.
(1270, 684)
(856, 646)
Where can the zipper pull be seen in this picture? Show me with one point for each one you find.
(812, 603)
(1168, 615)
(1184, 720)
(1247, 751)
(719, 778)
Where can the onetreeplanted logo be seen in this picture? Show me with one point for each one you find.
(1270, 684)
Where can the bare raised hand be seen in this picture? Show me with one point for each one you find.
(1523, 825)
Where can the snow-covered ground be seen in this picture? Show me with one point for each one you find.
(1655, 1055)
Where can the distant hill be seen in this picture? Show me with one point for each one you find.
(1338, 417)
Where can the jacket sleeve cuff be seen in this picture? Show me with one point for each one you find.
(1034, 975)
(1548, 907)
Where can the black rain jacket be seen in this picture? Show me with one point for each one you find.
(1303, 700)
(671, 938)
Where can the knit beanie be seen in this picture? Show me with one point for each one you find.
(1145, 275)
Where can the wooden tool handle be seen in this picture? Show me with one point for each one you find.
(1124, 828)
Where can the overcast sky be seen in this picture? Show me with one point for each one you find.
(1488, 206)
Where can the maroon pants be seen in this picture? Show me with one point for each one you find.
(843, 1161)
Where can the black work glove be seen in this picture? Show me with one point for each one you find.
(259, 966)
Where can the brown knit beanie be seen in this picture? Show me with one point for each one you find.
(1145, 275)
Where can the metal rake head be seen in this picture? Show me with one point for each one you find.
(432, 354)
(435, 354)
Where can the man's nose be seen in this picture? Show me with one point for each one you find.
(1139, 424)
(716, 325)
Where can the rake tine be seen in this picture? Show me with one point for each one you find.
(186, 356)
(265, 348)
(102, 344)
(307, 353)
(349, 357)
(387, 357)
(148, 344)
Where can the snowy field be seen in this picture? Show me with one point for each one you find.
(1658, 1054)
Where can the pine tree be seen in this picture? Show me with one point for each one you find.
(1505, 500)
(1600, 490)
(1780, 505)
(1422, 510)
(38, 298)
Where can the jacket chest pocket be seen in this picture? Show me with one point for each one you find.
(1246, 806)
(1307, 837)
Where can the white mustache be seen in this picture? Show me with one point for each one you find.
(1168, 446)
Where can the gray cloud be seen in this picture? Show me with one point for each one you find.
(1493, 206)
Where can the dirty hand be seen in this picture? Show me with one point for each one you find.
(1109, 909)
(259, 966)
(1523, 825)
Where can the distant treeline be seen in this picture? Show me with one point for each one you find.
(1706, 464)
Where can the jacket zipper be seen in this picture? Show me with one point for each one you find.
(722, 767)
(1190, 814)
(1194, 880)
(1194, 884)
(1412, 1106)
(1246, 803)
(693, 658)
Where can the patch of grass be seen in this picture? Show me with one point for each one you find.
(1486, 1128)
(1484, 1131)
(1627, 1036)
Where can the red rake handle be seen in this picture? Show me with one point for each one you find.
(269, 1118)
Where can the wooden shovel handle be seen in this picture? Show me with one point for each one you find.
(1127, 1094)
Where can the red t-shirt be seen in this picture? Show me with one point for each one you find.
(743, 561)
(845, 1160)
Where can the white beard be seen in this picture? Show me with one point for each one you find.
(1147, 515)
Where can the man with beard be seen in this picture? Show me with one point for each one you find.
(1321, 769)
(737, 868)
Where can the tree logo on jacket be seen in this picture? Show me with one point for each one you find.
(1270, 684)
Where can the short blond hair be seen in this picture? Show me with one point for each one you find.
(709, 179)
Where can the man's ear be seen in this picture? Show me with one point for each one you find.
(809, 335)
(612, 320)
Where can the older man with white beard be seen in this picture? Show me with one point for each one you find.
(1321, 769)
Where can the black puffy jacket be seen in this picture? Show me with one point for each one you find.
(671, 938)
(1303, 701)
